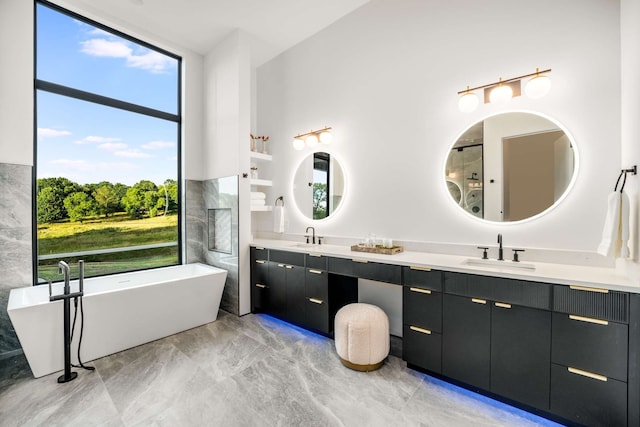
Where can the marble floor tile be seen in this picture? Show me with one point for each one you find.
(246, 371)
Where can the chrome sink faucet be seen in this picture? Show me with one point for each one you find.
(313, 236)
(500, 253)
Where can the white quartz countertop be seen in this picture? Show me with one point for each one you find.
(604, 278)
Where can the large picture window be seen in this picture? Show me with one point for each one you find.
(107, 148)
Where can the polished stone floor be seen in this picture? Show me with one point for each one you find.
(245, 371)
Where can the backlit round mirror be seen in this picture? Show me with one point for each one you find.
(511, 167)
(318, 185)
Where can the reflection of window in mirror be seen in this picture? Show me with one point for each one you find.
(321, 183)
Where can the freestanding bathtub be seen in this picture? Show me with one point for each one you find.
(120, 311)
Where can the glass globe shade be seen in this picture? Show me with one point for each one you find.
(298, 144)
(468, 102)
(326, 137)
(312, 140)
(538, 87)
(501, 94)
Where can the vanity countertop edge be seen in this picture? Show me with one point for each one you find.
(561, 274)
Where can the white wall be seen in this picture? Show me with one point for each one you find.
(630, 34)
(385, 78)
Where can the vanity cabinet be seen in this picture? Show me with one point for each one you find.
(286, 285)
(491, 342)
(422, 318)
(316, 295)
(590, 355)
(259, 258)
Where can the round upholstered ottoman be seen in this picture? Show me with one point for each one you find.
(362, 336)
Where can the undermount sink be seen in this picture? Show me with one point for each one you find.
(503, 265)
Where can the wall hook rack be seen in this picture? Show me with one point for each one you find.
(281, 199)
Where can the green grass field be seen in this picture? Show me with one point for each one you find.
(104, 233)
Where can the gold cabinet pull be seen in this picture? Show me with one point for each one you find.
(421, 330)
(419, 268)
(479, 301)
(315, 271)
(587, 374)
(280, 265)
(315, 255)
(260, 285)
(420, 290)
(316, 300)
(588, 319)
(259, 261)
(585, 288)
(260, 248)
(363, 261)
(288, 266)
(503, 305)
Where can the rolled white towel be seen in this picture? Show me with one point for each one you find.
(257, 202)
(258, 195)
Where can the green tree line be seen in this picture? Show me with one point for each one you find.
(60, 199)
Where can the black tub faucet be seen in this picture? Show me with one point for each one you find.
(500, 254)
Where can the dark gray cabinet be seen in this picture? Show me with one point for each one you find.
(259, 258)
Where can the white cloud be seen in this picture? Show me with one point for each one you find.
(87, 166)
(158, 145)
(132, 154)
(146, 59)
(103, 47)
(92, 139)
(113, 146)
(83, 171)
(50, 133)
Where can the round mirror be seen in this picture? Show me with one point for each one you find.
(510, 167)
(318, 185)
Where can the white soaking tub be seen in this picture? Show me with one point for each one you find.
(120, 311)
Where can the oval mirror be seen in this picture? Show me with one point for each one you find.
(318, 186)
(510, 167)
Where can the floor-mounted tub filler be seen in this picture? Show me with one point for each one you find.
(120, 311)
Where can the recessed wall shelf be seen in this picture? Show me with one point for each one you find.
(260, 156)
(261, 208)
(262, 182)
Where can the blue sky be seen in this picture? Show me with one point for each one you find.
(89, 143)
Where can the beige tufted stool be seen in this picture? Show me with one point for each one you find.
(362, 336)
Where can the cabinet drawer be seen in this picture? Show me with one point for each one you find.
(421, 348)
(422, 278)
(292, 258)
(317, 315)
(422, 307)
(593, 347)
(586, 400)
(519, 292)
(260, 253)
(366, 270)
(592, 302)
(315, 261)
(316, 283)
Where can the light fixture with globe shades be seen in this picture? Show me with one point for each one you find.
(502, 91)
(313, 138)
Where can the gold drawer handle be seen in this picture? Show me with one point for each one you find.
(259, 248)
(420, 290)
(260, 285)
(315, 271)
(588, 319)
(363, 261)
(316, 300)
(421, 330)
(479, 301)
(289, 266)
(419, 268)
(280, 265)
(586, 374)
(503, 305)
(315, 255)
(259, 261)
(585, 288)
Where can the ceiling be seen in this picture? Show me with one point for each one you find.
(199, 25)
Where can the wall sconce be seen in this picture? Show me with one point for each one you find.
(502, 91)
(312, 138)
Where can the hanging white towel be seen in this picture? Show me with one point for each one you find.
(615, 234)
(258, 195)
(278, 219)
(624, 225)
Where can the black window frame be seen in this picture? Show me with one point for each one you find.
(103, 101)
